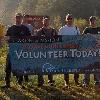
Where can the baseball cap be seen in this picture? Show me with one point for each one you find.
(46, 18)
(26, 16)
(19, 15)
(92, 18)
(69, 17)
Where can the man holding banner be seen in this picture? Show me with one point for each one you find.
(92, 29)
(70, 29)
(46, 31)
(16, 30)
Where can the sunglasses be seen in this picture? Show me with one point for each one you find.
(92, 20)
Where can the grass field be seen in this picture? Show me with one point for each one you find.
(32, 92)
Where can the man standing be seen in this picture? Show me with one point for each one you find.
(16, 30)
(92, 29)
(46, 31)
(69, 29)
(25, 22)
(31, 29)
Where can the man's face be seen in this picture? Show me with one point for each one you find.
(30, 20)
(18, 20)
(93, 22)
(70, 21)
(25, 20)
(46, 22)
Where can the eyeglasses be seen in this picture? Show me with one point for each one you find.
(69, 18)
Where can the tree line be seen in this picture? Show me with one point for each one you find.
(53, 8)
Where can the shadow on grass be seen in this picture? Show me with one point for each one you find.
(2, 98)
(14, 94)
(49, 93)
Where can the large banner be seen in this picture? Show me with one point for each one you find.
(59, 54)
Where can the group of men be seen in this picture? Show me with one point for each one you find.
(22, 28)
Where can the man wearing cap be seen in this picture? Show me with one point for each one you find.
(70, 29)
(16, 30)
(46, 31)
(92, 29)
